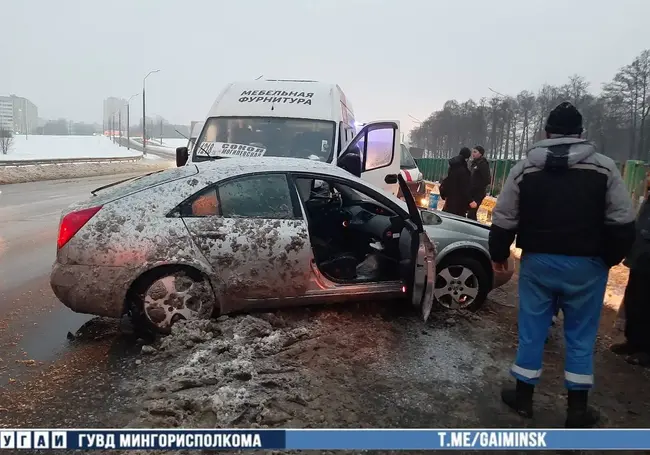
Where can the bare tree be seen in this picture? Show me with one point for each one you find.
(6, 140)
(617, 120)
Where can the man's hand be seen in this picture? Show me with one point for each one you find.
(472, 205)
(500, 266)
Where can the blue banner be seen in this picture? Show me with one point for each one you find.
(397, 439)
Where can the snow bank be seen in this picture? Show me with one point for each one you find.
(358, 367)
(62, 147)
(32, 173)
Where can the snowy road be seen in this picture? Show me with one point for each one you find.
(33, 323)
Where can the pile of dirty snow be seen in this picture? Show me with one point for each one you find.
(312, 368)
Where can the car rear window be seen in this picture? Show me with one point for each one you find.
(120, 190)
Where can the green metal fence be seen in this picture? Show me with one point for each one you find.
(634, 174)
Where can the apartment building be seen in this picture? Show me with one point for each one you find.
(6, 113)
(113, 108)
(18, 114)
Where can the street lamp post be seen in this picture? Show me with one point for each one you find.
(128, 121)
(23, 117)
(119, 125)
(144, 115)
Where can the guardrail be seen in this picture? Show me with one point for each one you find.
(15, 163)
(136, 144)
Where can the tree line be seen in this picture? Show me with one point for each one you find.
(616, 119)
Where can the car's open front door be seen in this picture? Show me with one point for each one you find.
(374, 153)
(422, 270)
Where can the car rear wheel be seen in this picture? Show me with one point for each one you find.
(461, 283)
(169, 296)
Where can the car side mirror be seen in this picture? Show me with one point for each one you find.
(429, 219)
(182, 155)
(390, 179)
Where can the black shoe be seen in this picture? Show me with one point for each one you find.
(520, 399)
(579, 413)
(639, 358)
(625, 348)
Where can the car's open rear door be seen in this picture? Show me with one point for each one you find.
(423, 258)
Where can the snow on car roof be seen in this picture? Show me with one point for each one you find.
(228, 167)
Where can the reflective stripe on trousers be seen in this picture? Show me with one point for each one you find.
(580, 379)
(577, 286)
(525, 373)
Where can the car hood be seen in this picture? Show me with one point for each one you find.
(460, 225)
(461, 219)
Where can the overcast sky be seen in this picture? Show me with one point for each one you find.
(391, 57)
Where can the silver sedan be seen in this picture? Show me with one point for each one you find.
(242, 233)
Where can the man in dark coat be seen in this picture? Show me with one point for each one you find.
(479, 182)
(636, 301)
(454, 189)
(573, 219)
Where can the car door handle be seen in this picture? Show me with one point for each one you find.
(217, 235)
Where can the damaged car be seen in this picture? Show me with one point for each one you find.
(240, 234)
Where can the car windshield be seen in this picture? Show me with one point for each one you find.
(406, 159)
(266, 136)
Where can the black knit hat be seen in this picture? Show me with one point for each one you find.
(465, 152)
(564, 120)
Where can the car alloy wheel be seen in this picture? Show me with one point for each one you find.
(457, 287)
(174, 297)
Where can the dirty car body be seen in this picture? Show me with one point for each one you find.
(238, 234)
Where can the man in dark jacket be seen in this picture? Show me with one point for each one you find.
(454, 189)
(573, 218)
(636, 301)
(479, 182)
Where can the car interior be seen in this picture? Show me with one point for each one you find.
(354, 237)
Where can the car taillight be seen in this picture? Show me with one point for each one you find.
(72, 222)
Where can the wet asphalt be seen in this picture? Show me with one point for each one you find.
(50, 357)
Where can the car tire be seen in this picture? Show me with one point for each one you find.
(166, 295)
(476, 283)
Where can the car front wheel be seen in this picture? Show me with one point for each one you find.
(462, 283)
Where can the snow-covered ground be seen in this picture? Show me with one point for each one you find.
(175, 142)
(61, 147)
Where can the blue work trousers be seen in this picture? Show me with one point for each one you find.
(576, 285)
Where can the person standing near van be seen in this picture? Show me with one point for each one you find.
(573, 219)
(454, 189)
(479, 182)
